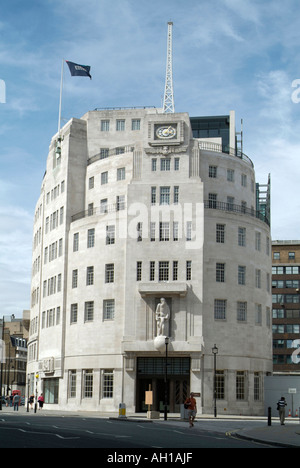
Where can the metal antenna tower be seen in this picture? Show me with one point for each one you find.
(169, 95)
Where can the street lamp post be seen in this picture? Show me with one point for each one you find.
(166, 379)
(215, 352)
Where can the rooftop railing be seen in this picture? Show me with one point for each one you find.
(218, 148)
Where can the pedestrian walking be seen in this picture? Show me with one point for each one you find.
(16, 402)
(281, 404)
(41, 401)
(31, 401)
(191, 405)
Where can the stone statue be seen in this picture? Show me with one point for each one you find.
(162, 316)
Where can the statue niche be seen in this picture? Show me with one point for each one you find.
(162, 317)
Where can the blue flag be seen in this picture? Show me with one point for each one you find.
(79, 70)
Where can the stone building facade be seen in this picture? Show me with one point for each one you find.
(137, 209)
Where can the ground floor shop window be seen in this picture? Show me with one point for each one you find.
(51, 387)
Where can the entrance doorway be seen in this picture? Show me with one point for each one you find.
(151, 376)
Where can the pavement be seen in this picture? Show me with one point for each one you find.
(287, 436)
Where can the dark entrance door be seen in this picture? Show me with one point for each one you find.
(151, 376)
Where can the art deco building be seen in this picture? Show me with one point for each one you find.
(144, 212)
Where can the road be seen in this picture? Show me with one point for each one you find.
(44, 431)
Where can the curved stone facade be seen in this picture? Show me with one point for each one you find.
(133, 209)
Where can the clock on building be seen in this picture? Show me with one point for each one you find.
(165, 132)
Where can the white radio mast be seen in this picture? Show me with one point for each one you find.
(169, 95)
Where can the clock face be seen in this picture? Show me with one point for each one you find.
(166, 132)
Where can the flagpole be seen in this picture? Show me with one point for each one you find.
(60, 96)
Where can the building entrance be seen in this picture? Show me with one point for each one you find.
(151, 376)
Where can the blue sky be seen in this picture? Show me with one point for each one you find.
(240, 55)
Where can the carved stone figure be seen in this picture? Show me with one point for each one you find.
(162, 316)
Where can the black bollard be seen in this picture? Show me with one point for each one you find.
(269, 416)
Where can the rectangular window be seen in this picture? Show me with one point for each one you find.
(241, 311)
(258, 314)
(257, 386)
(220, 385)
(104, 153)
(212, 200)
(220, 272)
(109, 273)
(220, 309)
(240, 385)
(88, 384)
(139, 271)
(76, 242)
(164, 196)
(212, 172)
(176, 195)
(152, 231)
(164, 231)
(258, 278)
(163, 271)
(152, 271)
(91, 238)
(89, 311)
(230, 175)
(72, 384)
(121, 173)
(176, 164)
(108, 384)
(153, 195)
(175, 270)
(90, 275)
(74, 313)
(220, 233)
(91, 183)
(153, 164)
(241, 275)
(104, 178)
(188, 270)
(242, 237)
(104, 125)
(120, 125)
(258, 241)
(108, 309)
(175, 230)
(136, 124)
(165, 164)
(110, 234)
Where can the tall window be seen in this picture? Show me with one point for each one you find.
(152, 271)
(108, 384)
(89, 311)
(110, 235)
(108, 309)
(88, 384)
(220, 233)
(241, 275)
(104, 125)
(76, 242)
(242, 236)
(188, 270)
(164, 196)
(163, 271)
(220, 309)
(241, 311)
(72, 384)
(74, 313)
(220, 384)
(120, 125)
(109, 273)
(240, 385)
(139, 271)
(164, 231)
(90, 275)
(91, 238)
(220, 272)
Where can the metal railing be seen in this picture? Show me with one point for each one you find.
(99, 211)
(232, 208)
(218, 148)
